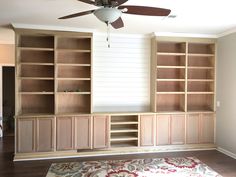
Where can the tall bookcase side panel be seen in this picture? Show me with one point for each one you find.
(153, 74)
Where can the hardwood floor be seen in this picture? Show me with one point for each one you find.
(221, 163)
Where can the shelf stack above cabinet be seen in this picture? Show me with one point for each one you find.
(35, 74)
(73, 74)
(182, 75)
(53, 74)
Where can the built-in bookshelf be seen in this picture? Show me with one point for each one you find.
(183, 75)
(53, 72)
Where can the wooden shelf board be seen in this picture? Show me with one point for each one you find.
(170, 53)
(170, 80)
(76, 93)
(37, 78)
(124, 144)
(72, 64)
(72, 78)
(200, 67)
(35, 48)
(170, 92)
(200, 55)
(30, 115)
(37, 93)
(123, 138)
(169, 67)
(123, 123)
(32, 63)
(207, 93)
(72, 50)
(123, 130)
(200, 80)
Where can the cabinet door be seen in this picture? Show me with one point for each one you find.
(83, 132)
(147, 130)
(45, 134)
(207, 128)
(177, 129)
(100, 131)
(163, 129)
(64, 133)
(192, 128)
(26, 135)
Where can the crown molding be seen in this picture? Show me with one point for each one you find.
(193, 35)
(228, 32)
(50, 27)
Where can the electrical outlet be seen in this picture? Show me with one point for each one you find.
(218, 104)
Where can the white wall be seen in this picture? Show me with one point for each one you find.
(121, 73)
(226, 94)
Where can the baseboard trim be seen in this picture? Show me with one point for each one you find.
(110, 152)
(226, 152)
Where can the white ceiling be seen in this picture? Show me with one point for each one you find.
(193, 16)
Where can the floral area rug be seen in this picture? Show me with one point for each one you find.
(180, 167)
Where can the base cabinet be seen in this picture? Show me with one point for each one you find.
(65, 133)
(100, 131)
(83, 132)
(163, 130)
(26, 135)
(35, 134)
(45, 135)
(147, 130)
(177, 129)
(200, 128)
(207, 128)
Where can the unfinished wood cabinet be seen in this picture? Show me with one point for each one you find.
(83, 132)
(147, 130)
(35, 134)
(192, 128)
(207, 128)
(65, 133)
(100, 131)
(177, 129)
(25, 135)
(163, 129)
(45, 134)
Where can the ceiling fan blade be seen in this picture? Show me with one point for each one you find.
(77, 14)
(118, 23)
(88, 1)
(143, 10)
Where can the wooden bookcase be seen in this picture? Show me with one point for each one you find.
(54, 112)
(53, 72)
(182, 75)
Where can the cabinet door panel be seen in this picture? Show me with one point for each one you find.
(64, 133)
(207, 128)
(147, 130)
(83, 132)
(177, 129)
(163, 129)
(192, 128)
(100, 131)
(26, 135)
(45, 134)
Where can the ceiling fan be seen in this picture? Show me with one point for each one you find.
(110, 11)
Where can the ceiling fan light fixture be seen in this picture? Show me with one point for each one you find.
(107, 14)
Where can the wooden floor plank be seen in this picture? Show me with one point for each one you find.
(221, 163)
